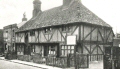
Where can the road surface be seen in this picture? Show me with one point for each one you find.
(11, 65)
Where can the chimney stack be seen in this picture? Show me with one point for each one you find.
(66, 2)
(24, 17)
(36, 7)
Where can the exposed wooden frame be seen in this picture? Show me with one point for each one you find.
(37, 37)
(21, 37)
(108, 35)
(61, 34)
(82, 44)
(44, 35)
(90, 43)
(79, 33)
(89, 33)
(74, 29)
(93, 49)
(101, 35)
(87, 49)
(97, 44)
(101, 49)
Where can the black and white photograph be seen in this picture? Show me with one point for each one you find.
(59, 34)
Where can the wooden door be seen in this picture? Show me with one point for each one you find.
(46, 50)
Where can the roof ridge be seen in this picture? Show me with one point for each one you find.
(56, 16)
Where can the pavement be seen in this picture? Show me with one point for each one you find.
(92, 65)
(41, 66)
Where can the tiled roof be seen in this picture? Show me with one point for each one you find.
(75, 12)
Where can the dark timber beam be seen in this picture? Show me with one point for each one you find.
(61, 35)
(74, 30)
(44, 35)
(90, 43)
(87, 49)
(88, 34)
(82, 43)
(97, 44)
(21, 37)
(101, 35)
(109, 34)
(51, 35)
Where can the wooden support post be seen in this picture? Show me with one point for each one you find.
(75, 57)
(38, 36)
(97, 44)
(82, 43)
(90, 43)
(79, 34)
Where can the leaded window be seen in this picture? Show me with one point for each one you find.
(67, 49)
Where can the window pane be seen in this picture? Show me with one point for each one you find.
(65, 47)
(72, 51)
(68, 51)
(72, 47)
(62, 52)
(68, 47)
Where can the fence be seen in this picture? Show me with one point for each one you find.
(96, 57)
(58, 62)
(82, 61)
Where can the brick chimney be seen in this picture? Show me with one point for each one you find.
(36, 7)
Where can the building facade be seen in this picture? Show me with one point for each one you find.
(50, 33)
(47, 32)
(116, 41)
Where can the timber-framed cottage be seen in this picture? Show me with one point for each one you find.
(46, 32)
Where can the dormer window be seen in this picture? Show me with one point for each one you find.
(32, 33)
(48, 30)
(66, 28)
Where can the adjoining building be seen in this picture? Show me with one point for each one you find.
(1, 42)
(9, 34)
(116, 41)
(9, 37)
(47, 33)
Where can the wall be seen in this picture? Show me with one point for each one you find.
(9, 35)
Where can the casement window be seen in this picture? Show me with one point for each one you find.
(47, 30)
(20, 48)
(32, 48)
(65, 50)
(32, 33)
(52, 50)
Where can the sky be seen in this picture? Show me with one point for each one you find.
(11, 11)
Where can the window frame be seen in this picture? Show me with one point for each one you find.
(32, 33)
(66, 28)
(66, 49)
(52, 49)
